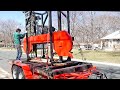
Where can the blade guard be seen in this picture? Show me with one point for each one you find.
(62, 42)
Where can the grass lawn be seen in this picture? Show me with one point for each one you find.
(102, 56)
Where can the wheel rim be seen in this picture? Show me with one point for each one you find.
(20, 75)
(14, 73)
(17, 73)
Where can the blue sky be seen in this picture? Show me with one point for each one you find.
(20, 18)
(14, 15)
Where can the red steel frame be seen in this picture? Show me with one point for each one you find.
(75, 75)
(62, 44)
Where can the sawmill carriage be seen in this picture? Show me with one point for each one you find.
(54, 42)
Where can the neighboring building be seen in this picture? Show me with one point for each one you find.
(83, 46)
(111, 42)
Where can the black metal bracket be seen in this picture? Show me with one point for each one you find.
(48, 14)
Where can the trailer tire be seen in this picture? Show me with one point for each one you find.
(17, 72)
(14, 72)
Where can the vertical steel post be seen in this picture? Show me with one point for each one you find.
(26, 21)
(42, 33)
(34, 27)
(59, 20)
(68, 25)
(68, 22)
(59, 27)
(51, 34)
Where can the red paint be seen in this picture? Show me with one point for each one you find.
(62, 42)
(76, 75)
(25, 68)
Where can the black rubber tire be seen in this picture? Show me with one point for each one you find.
(17, 72)
(14, 72)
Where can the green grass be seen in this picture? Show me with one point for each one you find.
(103, 56)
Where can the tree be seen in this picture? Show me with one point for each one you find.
(90, 26)
(7, 28)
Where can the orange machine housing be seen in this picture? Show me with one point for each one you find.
(62, 42)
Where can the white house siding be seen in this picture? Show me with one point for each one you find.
(111, 45)
(111, 41)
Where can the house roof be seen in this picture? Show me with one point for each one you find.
(115, 35)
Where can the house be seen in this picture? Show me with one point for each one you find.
(111, 42)
(83, 46)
